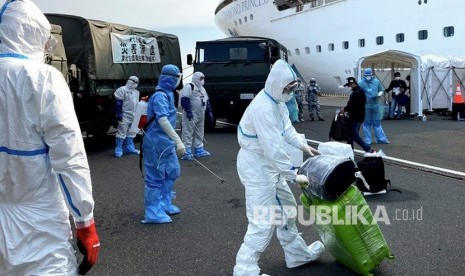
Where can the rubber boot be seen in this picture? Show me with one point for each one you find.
(201, 152)
(168, 196)
(154, 212)
(128, 146)
(119, 147)
(188, 155)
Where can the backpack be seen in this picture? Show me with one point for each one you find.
(339, 130)
(372, 175)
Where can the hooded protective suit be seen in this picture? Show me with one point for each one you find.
(127, 98)
(195, 103)
(44, 173)
(161, 143)
(263, 167)
(372, 87)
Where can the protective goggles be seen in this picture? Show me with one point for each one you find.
(290, 87)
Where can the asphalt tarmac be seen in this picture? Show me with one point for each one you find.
(425, 221)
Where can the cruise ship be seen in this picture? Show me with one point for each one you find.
(326, 39)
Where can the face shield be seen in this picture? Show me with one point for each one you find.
(178, 81)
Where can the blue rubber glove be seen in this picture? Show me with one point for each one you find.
(186, 105)
(119, 110)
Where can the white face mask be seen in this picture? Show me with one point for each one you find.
(397, 78)
(368, 78)
(202, 82)
(287, 97)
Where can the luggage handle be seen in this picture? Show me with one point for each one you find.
(359, 175)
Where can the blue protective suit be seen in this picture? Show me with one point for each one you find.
(373, 115)
(160, 160)
(293, 110)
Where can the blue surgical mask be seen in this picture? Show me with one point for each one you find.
(368, 78)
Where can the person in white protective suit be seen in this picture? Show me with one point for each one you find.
(127, 98)
(195, 104)
(264, 167)
(44, 173)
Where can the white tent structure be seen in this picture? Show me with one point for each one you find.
(385, 64)
(440, 76)
(433, 79)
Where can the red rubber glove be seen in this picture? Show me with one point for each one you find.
(89, 245)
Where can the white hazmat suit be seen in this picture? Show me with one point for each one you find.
(263, 167)
(127, 98)
(44, 173)
(195, 103)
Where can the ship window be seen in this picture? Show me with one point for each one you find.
(251, 17)
(245, 19)
(307, 50)
(318, 48)
(235, 23)
(361, 43)
(289, 53)
(331, 47)
(423, 34)
(379, 40)
(400, 38)
(449, 31)
(345, 45)
(297, 51)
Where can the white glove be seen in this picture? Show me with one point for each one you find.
(169, 130)
(180, 149)
(380, 93)
(302, 181)
(311, 151)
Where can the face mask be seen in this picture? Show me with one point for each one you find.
(397, 78)
(287, 97)
(368, 78)
(202, 82)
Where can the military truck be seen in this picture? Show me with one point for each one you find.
(97, 57)
(235, 70)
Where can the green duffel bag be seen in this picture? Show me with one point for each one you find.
(355, 241)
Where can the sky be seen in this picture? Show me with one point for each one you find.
(190, 20)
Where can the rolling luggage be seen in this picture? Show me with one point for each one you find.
(358, 245)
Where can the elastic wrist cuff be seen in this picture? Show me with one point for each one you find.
(84, 224)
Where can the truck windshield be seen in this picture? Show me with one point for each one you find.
(231, 52)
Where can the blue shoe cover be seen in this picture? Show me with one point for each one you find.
(188, 155)
(129, 148)
(119, 147)
(201, 152)
(154, 211)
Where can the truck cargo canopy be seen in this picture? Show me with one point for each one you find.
(87, 44)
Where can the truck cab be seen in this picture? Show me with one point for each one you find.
(235, 71)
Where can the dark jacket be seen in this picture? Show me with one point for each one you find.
(356, 105)
(397, 83)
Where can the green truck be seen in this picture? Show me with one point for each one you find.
(97, 57)
(235, 70)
